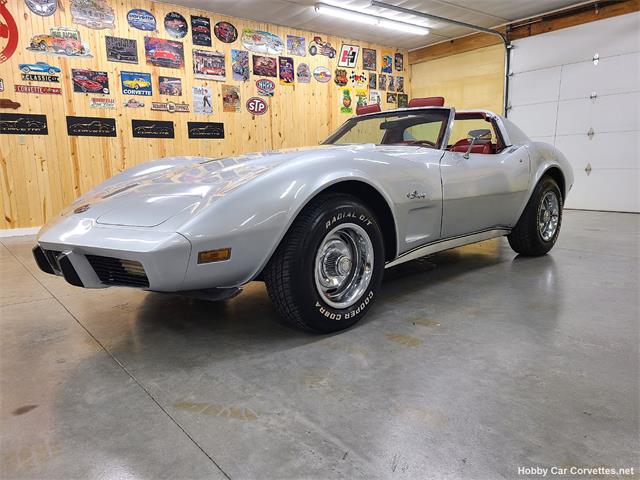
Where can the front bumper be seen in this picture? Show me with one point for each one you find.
(92, 256)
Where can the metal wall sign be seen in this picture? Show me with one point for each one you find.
(1, 85)
(225, 32)
(257, 106)
(141, 20)
(91, 126)
(209, 130)
(175, 25)
(96, 14)
(265, 87)
(201, 31)
(38, 89)
(152, 129)
(102, 102)
(322, 74)
(348, 56)
(262, 42)
(369, 59)
(123, 50)
(39, 72)
(23, 124)
(44, 8)
(136, 83)
(170, 107)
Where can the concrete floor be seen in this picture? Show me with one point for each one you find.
(473, 363)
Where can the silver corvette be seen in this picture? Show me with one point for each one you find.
(318, 225)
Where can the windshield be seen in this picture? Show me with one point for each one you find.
(423, 128)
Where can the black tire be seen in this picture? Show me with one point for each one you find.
(313, 50)
(526, 238)
(291, 273)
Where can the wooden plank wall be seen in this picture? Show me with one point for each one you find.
(467, 80)
(41, 174)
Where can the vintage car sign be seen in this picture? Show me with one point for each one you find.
(60, 41)
(152, 129)
(201, 31)
(23, 124)
(175, 25)
(170, 107)
(303, 73)
(89, 81)
(136, 83)
(102, 102)
(141, 20)
(322, 74)
(265, 87)
(225, 32)
(134, 103)
(44, 8)
(39, 72)
(38, 89)
(209, 65)
(257, 106)
(163, 53)
(262, 42)
(96, 14)
(91, 126)
(209, 130)
(123, 50)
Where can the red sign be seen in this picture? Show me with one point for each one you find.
(257, 106)
(8, 31)
(37, 89)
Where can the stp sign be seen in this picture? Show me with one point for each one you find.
(257, 106)
(348, 56)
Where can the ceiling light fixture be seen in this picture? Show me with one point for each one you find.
(369, 19)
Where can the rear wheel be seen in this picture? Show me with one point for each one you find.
(537, 230)
(326, 272)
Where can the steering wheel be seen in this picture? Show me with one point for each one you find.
(422, 142)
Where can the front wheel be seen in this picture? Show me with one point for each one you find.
(327, 271)
(537, 230)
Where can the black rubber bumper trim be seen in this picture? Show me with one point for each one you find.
(69, 273)
(41, 260)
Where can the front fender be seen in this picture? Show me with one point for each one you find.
(253, 220)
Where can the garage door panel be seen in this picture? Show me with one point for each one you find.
(548, 140)
(605, 189)
(609, 37)
(605, 150)
(611, 75)
(535, 87)
(536, 120)
(604, 114)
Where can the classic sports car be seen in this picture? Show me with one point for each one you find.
(60, 39)
(87, 85)
(136, 83)
(318, 225)
(43, 67)
(165, 57)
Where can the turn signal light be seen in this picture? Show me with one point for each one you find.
(219, 255)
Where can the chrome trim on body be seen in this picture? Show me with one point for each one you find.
(447, 244)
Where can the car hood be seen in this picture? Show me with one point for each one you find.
(154, 195)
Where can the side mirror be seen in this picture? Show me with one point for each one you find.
(475, 136)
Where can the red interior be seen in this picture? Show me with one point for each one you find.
(368, 109)
(426, 102)
(463, 146)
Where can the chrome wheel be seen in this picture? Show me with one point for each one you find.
(344, 265)
(548, 215)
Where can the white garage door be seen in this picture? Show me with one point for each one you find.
(579, 89)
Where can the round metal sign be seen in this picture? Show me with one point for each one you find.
(257, 106)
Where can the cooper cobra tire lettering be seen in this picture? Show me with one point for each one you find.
(290, 276)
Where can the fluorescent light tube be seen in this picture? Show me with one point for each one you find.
(369, 19)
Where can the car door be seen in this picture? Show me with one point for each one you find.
(481, 191)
